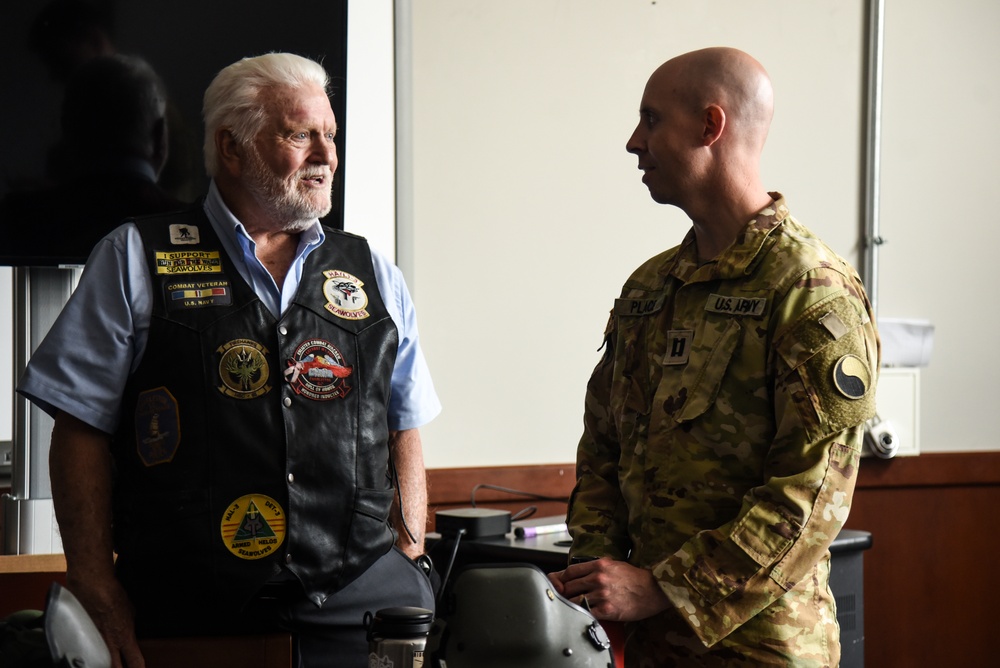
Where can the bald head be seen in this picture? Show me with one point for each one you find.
(721, 76)
(703, 120)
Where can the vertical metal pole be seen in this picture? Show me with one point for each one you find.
(39, 295)
(873, 153)
(403, 29)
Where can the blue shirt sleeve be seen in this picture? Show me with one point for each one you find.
(413, 402)
(84, 361)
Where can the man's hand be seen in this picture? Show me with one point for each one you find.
(109, 608)
(614, 590)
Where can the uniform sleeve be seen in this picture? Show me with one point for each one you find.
(597, 516)
(83, 362)
(825, 360)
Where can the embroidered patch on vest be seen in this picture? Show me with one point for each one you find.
(678, 346)
(317, 370)
(851, 377)
(184, 234)
(188, 262)
(638, 306)
(736, 305)
(198, 294)
(253, 526)
(157, 426)
(243, 369)
(345, 296)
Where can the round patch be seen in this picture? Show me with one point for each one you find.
(317, 370)
(243, 369)
(345, 295)
(253, 526)
(851, 376)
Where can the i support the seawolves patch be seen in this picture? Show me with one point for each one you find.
(253, 526)
(345, 295)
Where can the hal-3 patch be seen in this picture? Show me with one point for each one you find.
(198, 294)
(253, 526)
(188, 262)
(345, 295)
(318, 371)
(157, 426)
(243, 369)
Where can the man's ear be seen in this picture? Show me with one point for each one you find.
(714, 118)
(229, 151)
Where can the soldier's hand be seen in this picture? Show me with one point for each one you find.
(109, 608)
(613, 590)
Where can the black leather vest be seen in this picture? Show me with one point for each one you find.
(249, 443)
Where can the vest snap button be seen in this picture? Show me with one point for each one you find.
(282, 330)
(291, 478)
(288, 558)
(287, 401)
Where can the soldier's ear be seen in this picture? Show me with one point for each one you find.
(713, 124)
(230, 152)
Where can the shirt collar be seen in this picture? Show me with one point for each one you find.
(739, 258)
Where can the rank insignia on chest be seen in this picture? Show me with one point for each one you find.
(318, 371)
(243, 369)
(253, 526)
(184, 234)
(345, 295)
(678, 347)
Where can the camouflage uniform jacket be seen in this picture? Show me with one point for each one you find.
(722, 435)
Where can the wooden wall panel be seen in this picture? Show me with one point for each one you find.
(930, 574)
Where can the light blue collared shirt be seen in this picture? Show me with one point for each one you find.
(100, 336)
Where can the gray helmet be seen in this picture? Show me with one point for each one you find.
(509, 616)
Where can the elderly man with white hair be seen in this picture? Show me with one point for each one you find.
(237, 391)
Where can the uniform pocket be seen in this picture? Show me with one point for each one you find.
(702, 377)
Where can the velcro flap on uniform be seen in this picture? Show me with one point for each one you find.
(764, 534)
(818, 327)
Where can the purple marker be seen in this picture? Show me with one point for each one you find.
(531, 532)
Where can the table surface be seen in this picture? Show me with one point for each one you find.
(551, 548)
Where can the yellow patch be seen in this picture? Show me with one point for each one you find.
(253, 526)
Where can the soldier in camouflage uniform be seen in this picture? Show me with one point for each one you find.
(724, 422)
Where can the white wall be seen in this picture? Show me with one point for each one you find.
(941, 153)
(529, 214)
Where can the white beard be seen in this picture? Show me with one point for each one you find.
(284, 203)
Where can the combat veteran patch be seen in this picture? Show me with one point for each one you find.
(851, 377)
(157, 426)
(188, 262)
(198, 294)
(253, 526)
(345, 295)
(243, 369)
(317, 370)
